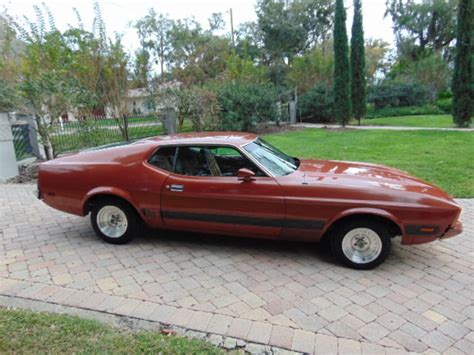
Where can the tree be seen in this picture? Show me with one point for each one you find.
(318, 20)
(73, 71)
(358, 82)
(431, 71)
(198, 55)
(342, 75)
(9, 66)
(282, 27)
(216, 22)
(292, 27)
(48, 84)
(114, 81)
(463, 80)
(154, 33)
(375, 59)
(244, 69)
(249, 41)
(141, 68)
(313, 68)
(423, 26)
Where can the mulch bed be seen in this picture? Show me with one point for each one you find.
(28, 174)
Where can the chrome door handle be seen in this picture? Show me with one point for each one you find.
(177, 188)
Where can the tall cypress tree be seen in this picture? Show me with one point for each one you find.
(358, 82)
(342, 76)
(463, 80)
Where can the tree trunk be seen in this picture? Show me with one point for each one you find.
(45, 138)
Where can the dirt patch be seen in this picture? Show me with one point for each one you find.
(337, 129)
(270, 128)
(28, 174)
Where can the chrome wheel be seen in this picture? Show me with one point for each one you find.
(361, 245)
(112, 221)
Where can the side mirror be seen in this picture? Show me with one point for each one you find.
(245, 175)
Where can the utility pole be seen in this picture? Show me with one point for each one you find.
(232, 27)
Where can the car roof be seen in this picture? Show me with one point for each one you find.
(232, 138)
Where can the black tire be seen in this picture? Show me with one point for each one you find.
(132, 220)
(381, 231)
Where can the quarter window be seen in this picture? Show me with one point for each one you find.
(164, 158)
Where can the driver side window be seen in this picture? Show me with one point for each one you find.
(212, 161)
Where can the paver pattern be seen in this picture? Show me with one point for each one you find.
(282, 294)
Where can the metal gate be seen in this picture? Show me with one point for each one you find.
(21, 141)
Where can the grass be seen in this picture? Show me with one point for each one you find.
(440, 157)
(432, 121)
(29, 332)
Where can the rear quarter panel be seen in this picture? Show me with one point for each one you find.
(68, 183)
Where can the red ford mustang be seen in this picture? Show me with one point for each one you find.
(237, 184)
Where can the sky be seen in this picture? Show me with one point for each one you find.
(118, 14)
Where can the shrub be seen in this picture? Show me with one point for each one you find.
(445, 105)
(432, 71)
(428, 109)
(446, 94)
(198, 105)
(317, 105)
(396, 94)
(243, 105)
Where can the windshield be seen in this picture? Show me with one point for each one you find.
(277, 162)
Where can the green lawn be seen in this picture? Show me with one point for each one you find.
(443, 158)
(437, 121)
(28, 332)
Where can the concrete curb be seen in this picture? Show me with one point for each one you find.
(138, 324)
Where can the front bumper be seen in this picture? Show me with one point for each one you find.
(454, 230)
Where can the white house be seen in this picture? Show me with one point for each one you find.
(139, 101)
(142, 101)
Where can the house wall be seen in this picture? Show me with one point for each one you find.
(139, 105)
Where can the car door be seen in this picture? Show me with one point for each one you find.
(204, 194)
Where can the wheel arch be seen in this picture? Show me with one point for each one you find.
(394, 225)
(107, 192)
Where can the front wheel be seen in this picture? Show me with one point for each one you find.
(361, 244)
(114, 221)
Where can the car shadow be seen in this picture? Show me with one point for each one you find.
(150, 237)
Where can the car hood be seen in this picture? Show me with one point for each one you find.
(363, 176)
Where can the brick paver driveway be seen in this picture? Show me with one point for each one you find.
(283, 294)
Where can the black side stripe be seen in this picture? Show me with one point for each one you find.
(303, 224)
(252, 221)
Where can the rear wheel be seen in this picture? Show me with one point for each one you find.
(361, 244)
(114, 221)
